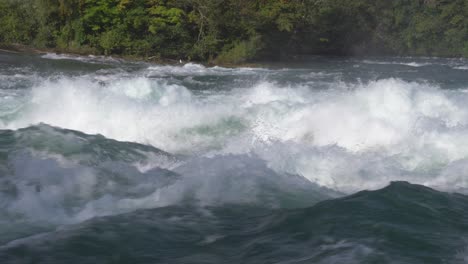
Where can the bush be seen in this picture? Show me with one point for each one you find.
(111, 41)
(240, 52)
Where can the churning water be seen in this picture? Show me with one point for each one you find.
(108, 161)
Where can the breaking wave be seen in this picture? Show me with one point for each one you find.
(349, 137)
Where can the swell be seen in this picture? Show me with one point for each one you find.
(402, 223)
(51, 176)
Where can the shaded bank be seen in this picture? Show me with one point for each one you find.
(238, 31)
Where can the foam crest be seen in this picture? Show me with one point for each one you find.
(71, 182)
(348, 137)
(374, 115)
(193, 69)
(86, 59)
(138, 109)
(411, 64)
(365, 136)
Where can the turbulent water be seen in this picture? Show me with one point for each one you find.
(330, 160)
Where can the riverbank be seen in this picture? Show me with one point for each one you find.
(233, 32)
(20, 48)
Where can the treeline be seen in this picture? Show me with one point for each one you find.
(235, 31)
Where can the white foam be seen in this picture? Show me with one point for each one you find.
(349, 137)
(87, 59)
(411, 64)
(139, 110)
(50, 188)
(193, 69)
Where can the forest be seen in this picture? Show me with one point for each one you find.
(238, 31)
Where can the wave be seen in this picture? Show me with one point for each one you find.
(402, 223)
(411, 64)
(388, 129)
(86, 59)
(453, 63)
(51, 176)
(193, 69)
(236, 161)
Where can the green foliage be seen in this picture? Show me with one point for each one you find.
(240, 52)
(164, 19)
(111, 41)
(101, 15)
(15, 24)
(237, 31)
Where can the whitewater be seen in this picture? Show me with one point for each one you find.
(87, 140)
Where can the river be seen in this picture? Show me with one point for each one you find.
(326, 160)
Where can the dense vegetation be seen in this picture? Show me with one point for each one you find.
(233, 31)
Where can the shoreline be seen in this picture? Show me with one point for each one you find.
(24, 49)
(20, 48)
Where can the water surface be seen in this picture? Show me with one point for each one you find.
(109, 161)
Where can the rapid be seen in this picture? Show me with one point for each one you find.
(327, 160)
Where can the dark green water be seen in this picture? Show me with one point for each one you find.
(109, 161)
